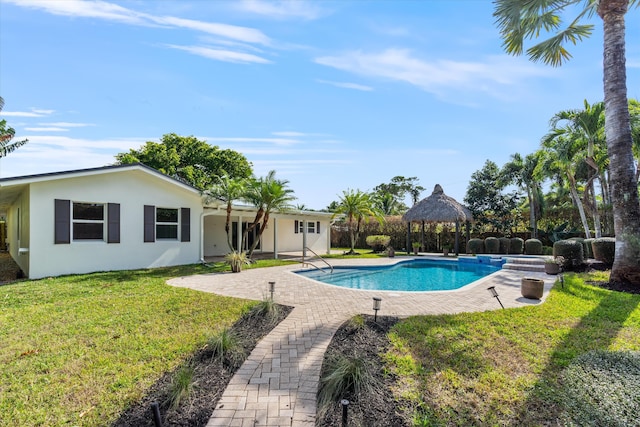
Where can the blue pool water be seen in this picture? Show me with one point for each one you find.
(411, 275)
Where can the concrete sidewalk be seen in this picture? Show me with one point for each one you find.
(277, 384)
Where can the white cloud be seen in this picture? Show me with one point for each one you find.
(221, 55)
(347, 85)
(437, 76)
(46, 129)
(66, 124)
(276, 141)
(35, 112)
(243, 34)
(283, 9)
(113, 12)
(84, 9)
(288, 133)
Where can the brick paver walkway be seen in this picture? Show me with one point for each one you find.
(277, 384)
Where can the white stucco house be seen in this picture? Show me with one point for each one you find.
(132, 216)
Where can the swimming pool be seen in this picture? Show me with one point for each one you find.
(410, 275)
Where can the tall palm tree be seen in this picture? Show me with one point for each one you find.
(268, 194)
(522, 172)
(523, 20)
(560, 158)
(358, 207)
(227, 189)
(6, 135)
(587, 128)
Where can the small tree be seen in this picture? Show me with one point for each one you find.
(358, 207)
(6, 135)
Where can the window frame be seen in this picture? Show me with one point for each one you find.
(165, 224)
(80, 221)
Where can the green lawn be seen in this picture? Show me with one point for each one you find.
(503, 367)
(77, 350)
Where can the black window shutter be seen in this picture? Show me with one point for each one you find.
(185, 225)
(113, 222)
(318, 227)
(62, 219)
(295, 227)
(149, 223)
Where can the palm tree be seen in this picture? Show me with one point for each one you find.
(519, 21)
(227, 189)
(6, 135)
(560, 158)
(522, 172)
(357, 206)
(587, 128)
(268, 194)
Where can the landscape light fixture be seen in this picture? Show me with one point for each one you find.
(494, 293)
(272, 288)
(345, 404)
(376, 306)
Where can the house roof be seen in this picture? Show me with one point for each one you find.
(11, 187)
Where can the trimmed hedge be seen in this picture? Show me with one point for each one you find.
(492, 245)
(604, 249)
(504, 245)
(533, 247)
(516, 245)
(572, 252)
(475, 246)
(378, 242)
(601, 388)
(588, 248)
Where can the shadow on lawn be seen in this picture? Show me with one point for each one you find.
(595, 331)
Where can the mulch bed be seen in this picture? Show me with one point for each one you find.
(378, 407)
(210, 379)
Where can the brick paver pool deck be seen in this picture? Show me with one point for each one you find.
(277, 384)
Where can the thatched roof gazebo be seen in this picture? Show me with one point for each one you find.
(438, 207)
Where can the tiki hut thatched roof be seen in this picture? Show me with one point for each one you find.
(438, 207)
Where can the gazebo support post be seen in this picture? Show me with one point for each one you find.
(457, 238)
(424, 247)
(408, 236)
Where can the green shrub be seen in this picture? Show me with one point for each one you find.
(344, 375)
(601, 388)
(533, 247)
(266, 309)
(585, 251)
(226, 348)
(571, 251)
(475, 246)
(181, 386)
(588, 248)
(378, 242)
(516, 246)
(604, 249)
(492, 245)
(504, 245)
(547, 250)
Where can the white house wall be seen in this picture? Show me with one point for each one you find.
(132, 189)
(18, 232)
(215, 243)
(215, 238)
(289, 241)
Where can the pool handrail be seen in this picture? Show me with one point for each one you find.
(319, 257)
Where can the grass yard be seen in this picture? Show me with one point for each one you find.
(504, 367)
(78, 350)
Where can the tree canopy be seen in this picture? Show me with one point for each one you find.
(189, 159)
(6, 135)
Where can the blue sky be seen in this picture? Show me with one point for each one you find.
(331, 94)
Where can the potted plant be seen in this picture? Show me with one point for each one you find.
(416, 247)
(553, 265)
(236, 260)
(445, 249)
(391, 252)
